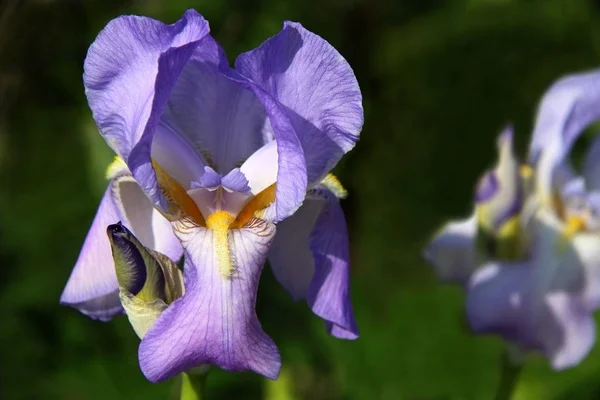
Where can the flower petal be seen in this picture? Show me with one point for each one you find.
(137, 213)
(329, 290)
(225, 121)
(235, 181)
(215, 321)
(506, 299)
(120, 73)
(92, 287)
(290, 256)
(317, 89)
(309, 257)
(499, 194)
(261, 168)
(291, 165)
(585, 257)
(567, 108)
(176, 155)
(452, 251)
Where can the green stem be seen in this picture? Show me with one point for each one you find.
(509, 376)
(192, 385)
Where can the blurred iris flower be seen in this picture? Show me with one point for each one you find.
(210, 158)
(529, 256)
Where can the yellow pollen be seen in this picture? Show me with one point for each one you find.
(332, 183)
(219, 222)
(574, 225)
(183, 204)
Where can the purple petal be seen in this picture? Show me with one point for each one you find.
(120, 73)
(498, 297)
(227, 121)
(317, 89)
(567, 108)
(236, 181)
(92, 287)
(138, 214)
(215, 321)
(329, 290)
(452, 251)
(210, 179)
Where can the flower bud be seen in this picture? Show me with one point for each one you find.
(148, 281)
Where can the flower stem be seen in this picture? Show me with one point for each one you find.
(509, 375)
(192, 385)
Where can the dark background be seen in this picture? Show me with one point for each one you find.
(439, 79)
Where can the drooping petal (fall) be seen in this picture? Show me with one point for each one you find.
(92, 287)
(317, 89)
(290, 256)
(215, 321)
(329, 291)
(310, 258)
(506, 299)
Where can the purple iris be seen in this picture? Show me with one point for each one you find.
(210, 158)
(529, 257)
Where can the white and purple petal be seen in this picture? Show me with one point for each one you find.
(316, 88)
(452, 251)
(499, 194)
(506, 299)
(215, 321)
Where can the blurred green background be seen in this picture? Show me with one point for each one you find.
(439, 80)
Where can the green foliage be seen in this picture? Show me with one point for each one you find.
(439, 79)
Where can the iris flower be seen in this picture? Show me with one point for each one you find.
(529, 256)
(210, 158)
